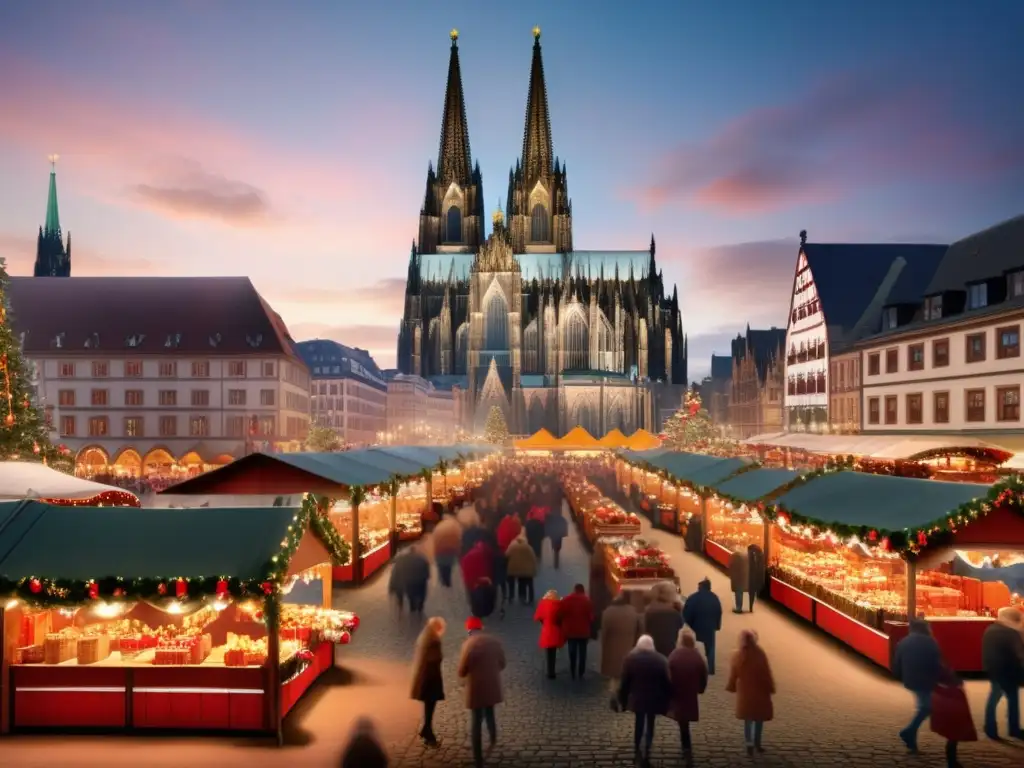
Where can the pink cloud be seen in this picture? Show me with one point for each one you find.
(849, 132)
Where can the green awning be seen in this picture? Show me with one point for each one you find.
(878, 501)
(681, 465)
(755, 484)
(82, 543)
(642, 457)
(380, 458)
(334, 467)
(717, 472)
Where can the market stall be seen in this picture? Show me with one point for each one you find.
(578, 440)
(202, 618)
(597, 514)
(614, 440)
(540, 441)
(856, 554)
(34, 480)
(642, 440)
(634, 563)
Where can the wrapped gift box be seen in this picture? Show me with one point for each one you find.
(59, 648)
(93, 648)
(34, 628)
(29, 654)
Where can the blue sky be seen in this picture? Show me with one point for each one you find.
(290, 141)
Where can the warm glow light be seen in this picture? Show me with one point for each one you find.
(109, 610)
(218, 606)
(174, 608)
(11, 604)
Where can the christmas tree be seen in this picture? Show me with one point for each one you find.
(691, 429)
(23, 434)
(322, 439)
(496, 430)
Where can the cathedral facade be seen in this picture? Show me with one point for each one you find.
(520, 320)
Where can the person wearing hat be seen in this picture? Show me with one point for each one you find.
(480, 666)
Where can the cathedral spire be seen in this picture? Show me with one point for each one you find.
(53, 257)
(454, 160)
(52, 225)
(537, 146)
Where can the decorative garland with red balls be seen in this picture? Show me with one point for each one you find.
(45, 591)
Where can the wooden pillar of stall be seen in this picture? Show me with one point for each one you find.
(911, 589)
(788, 458)
(704, 517)
(357, 546)
(766, 545)
(5, 672)
(274, 670)
(393, 519)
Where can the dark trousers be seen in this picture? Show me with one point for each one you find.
(951, 761)
(709, 652)
(551, 655)
(444, 574)
(643, 731)
(480, 716)
(537, 547)
(752, 596)
(524, 586)
(428, 719)
(417, 599)
(684, 735)
(399, 599)
(577, 656)
(739, 601)
(556, 549)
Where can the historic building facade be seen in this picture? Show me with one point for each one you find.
(53, 255)
(553, 336)
(757, 384)
(348, 393)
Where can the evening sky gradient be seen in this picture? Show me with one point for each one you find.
(290, 141)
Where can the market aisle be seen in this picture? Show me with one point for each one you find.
(831, 701)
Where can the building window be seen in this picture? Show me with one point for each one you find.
(197, 426)
(67, 370)
(235, 426)
(168, 369)
(133, 369)
(99, 397)
(134, 397)
(874, 364)
(168, 426)
(975, 404)
(66, 397)
(940, 353)
(977, 296)
(891, 409)
(1008, 403)
(539, 224)
(100, 370)
(453, 225)
(267, 397)
(200, 397)
(1008, 342)
(873, 410)
(268, 369)
(133, 426)
(265, 426)
(168, 397)
(915, 408)
(67, 426)
(236, 397)
(892, 361)
(933, 308)
(915, 357)
(200, 369)
(99, 426)
(236, 368)
(975, 352)
(890, 318)
(940, 407)
(1016, 284)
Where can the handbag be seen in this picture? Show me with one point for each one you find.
(951, 714)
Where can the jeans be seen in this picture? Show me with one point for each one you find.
(577, 656)
(1012, 694)
(484, 714)
(709, 653)
(551, 655)
(684, 735)
(525, 588)
(752, 730)
(644, 730)
(922, 710)
(739, 601)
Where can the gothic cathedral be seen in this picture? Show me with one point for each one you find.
(553, 336)
(53, 257)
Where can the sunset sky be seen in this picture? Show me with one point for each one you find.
(290, 141)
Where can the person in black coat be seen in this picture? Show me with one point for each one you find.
(702, 613)
(534, 530)
(556, 529)
(756, 576)
(427, 679)
(483, 598)
(645, 689)
(417, 579)
(1002, 656)
(403, 571)
(364, 749)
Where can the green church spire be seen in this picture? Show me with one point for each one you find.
(52, 224)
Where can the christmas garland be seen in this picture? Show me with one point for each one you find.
(44, 591)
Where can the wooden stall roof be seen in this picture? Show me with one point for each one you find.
(614, 439)
(754, 485)
(643, 457)
(877, 501)
(718, 472)
(541, 440)
(642, 440)
(682, 465)
(578, 439)
(81, 543)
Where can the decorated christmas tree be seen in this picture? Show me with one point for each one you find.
(691, 429)
(23, 434)
(496, 430)
(322, 439)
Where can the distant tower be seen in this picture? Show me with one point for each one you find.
(53, 257)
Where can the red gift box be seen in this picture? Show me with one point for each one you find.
(34, 627)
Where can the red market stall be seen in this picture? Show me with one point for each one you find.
(857, 554)
(210, 619)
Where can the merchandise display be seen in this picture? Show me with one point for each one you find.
(600, 515)
(374, 533)
(635, 561)
(731, 528)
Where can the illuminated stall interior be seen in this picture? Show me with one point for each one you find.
(93, 462)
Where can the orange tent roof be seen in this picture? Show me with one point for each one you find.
(614, 439)
(580, 440)
(541, 440)
(642, 440)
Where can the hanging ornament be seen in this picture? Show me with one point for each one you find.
(94, 590)
(9, 420)
(267, 587)
(161, 588)
(872, 535)
(222, 588)
(181, 588)
(35, 586)
(922, 539)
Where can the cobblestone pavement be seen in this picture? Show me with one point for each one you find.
(832, 708)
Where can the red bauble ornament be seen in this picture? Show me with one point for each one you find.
(94, 590)
(161, 588)
(922, 540)
(872, 535)
(35, 586)
(10, 419)
(258, 615)
(181, 588)
(344, 638)
(222, 588)
(267, 587)
(354, 622)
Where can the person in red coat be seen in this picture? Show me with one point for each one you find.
(551, 637)
(508, 529)
(476, 565)
(576, 619)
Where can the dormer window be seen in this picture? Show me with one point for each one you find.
(933, 308)
(215, 339)
(58, 341)
(890, 318)
(254, 341)
(134, 340)
(172, 340)
(977, 295)
(92, 341)
(1015, 284)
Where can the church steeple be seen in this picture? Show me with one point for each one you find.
(454, 160)
(53, 257)
(538, 152)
